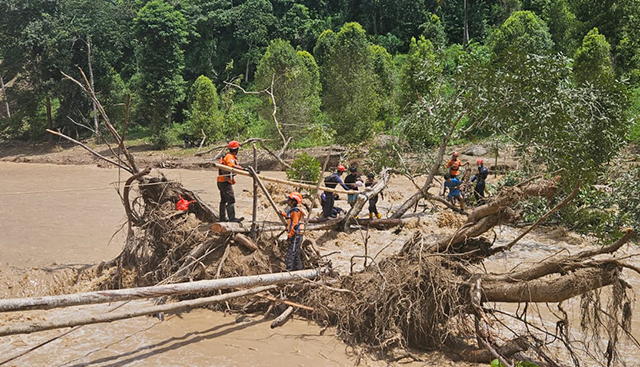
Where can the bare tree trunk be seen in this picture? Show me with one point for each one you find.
(96, 125)
(413, 200)
(65, 300)
(109, 317)
(4, 95)
(49, 118)
(465, 34)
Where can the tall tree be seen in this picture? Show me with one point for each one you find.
(562, 26)
(205, 115)
(421, 59)
(523, 33)
(253, 20)
(295, 81)
(351, 97)
(160, 31)
(592, 61)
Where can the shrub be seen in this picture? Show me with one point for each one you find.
(304, 168)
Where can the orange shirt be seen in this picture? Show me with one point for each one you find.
(295, 218)
(454, 166)
(231, 161)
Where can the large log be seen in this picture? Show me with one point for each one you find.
(232, 227)
(48, 302)
(281, 181)
(551, 290)
(113, 316)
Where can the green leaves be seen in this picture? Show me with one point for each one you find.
(296, 88)
(351, 95)
(204, 112)
(161, 31)
(523, 32)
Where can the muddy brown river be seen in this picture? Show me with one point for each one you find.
(53, 217)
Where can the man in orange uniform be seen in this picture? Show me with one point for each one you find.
(225, 184)
(454, 165)
(295, 227)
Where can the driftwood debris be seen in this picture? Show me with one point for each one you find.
(280, 320)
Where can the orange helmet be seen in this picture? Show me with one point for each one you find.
(455, 154)
(233, 144)
(480, 161)
(295, 196)
(341, 168)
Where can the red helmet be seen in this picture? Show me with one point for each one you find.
(341, 168)
(455, 154)
(480, 161)
(233, 144)
(295, 196)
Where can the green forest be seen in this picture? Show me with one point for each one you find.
(559, 79)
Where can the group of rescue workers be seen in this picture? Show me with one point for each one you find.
(352, 182)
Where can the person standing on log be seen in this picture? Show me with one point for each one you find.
(480, 178)
(295, 228)
(331, 182)
(454, 165)
(373, 201)
(350, 181)
(226, 181)
(453, 184)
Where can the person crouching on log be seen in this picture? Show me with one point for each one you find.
(454, 190)
(295, 227)
(226, 181)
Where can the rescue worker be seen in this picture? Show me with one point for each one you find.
(454, 165)
(350, 181)
(453, 184)
(226, 181)
(373, 201)
(331, 182)
(295, 228)
(480, 178)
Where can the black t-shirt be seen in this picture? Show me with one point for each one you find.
(350, 180)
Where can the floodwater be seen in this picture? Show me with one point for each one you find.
(52, 217)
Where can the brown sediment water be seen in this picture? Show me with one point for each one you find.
(54, 217)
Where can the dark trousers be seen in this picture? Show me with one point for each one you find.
(293, 261)
(327, 205)
(372, 205)
(478, 192)
(227, 200)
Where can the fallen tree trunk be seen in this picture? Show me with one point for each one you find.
(496, 212)
(65, 300)
(423, 192)
(232, 227)
(551, 290)
(113, 316)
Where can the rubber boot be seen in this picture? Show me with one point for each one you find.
(231, 210)
(223, 217)
(370, 216)
(378, 216)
